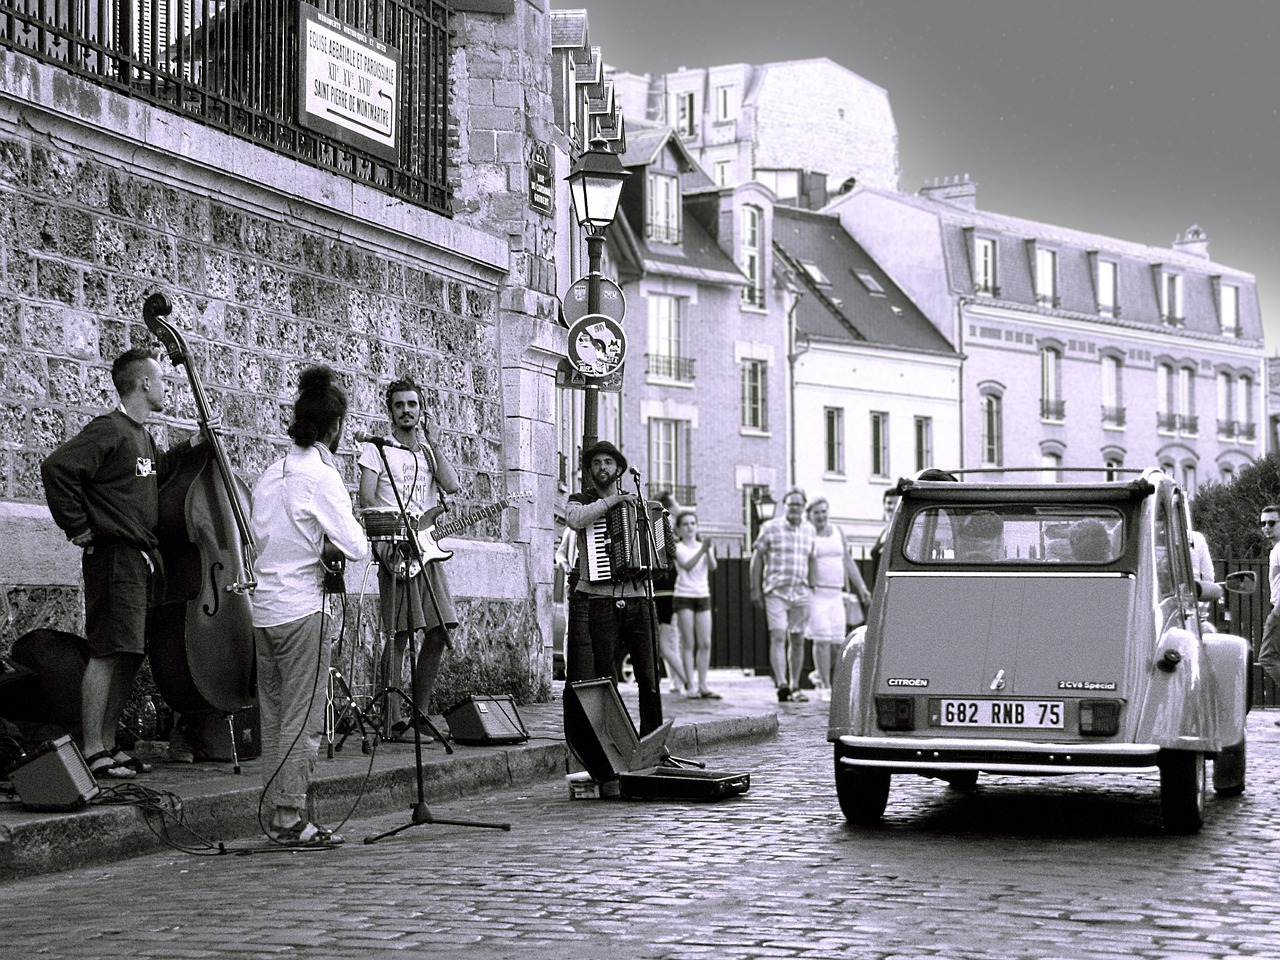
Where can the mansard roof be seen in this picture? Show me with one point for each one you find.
(697, 257)
(836, 304)
(569, 29)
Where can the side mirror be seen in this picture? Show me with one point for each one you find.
(1207, 590)
(1242, 581)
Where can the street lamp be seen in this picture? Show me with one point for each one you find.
(763, 509)
(595, 183)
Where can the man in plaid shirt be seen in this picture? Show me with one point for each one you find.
(780, 584)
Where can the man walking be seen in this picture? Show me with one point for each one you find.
(780, 584)
(1269, 651)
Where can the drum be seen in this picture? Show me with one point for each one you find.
(385, 524)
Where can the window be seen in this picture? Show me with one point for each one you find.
(870, 282)
(1229, 309)
(1187, 400)
(1052, 463)
(669, 458)
(1244, 408)
(1171, 299)
(724, 104)
(879, 444)
(755, 407)
(1046, 277)
(1226, 405)
(1113, 466)
(686, 120)
(663, 223)
(833, 420)
(751, 492)
(667, 338)
(1112, 391)
(1189, 478)
(985, 281)
(992, 430)
(723, 172)
(1108, 301)
(751, 256)
(1166, 405)
(924, 443)
(1052, 406)
(1015, 533)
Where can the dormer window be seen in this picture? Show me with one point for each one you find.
(1046, 277)
(815, 273)
(686, 119)
(870, 282)
(1108, 301)
(1171, 299)
(751, 256)
(1229, 309)
(663, 223)
(986, 281)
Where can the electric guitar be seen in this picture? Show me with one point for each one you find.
(429, 533)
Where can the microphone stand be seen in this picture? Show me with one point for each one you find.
(648, 552)
(421, 813)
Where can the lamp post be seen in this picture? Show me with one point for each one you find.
(595, 183)
(763, 509)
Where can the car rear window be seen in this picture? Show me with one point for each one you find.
(1015, 533)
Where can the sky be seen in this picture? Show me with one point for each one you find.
(1130, 118)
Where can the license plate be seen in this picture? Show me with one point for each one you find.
(1021, 714)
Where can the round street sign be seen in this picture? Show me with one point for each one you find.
(612, 303)
(597, 345)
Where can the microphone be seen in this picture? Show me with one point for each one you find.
(378, 441)
(635, 473)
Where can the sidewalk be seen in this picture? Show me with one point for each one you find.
(218, 804)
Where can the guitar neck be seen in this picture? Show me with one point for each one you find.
(467, 519)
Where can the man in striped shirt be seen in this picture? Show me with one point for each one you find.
(780, 584)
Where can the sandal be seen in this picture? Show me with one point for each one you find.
(126, 760)
(799, 697)
(304, 833)
(104, 766)
(709, 695)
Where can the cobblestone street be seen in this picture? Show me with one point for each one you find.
(1073, 867)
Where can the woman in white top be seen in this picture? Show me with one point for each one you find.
(692, 602)
(831, 571)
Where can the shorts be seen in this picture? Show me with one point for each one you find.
(696, 604)
(662, 603)
(117, 588)
(789, 615)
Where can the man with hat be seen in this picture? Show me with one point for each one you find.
(606, 613)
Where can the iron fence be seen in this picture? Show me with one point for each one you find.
(234, 65)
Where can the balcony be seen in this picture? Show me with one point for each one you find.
(686, 494)
(1166, 422)
(1113, 416)
(669, 367)
(987, 289)
(1227, 429)
(1053, 410)
(663, 232)
(1189, 425)
(1172, 320)
(1246, 432)
(1048, 300)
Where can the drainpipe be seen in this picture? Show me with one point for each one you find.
(793, 354)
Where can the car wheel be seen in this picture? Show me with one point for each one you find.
(962, 780)
(863, 793)
(1181, 790)
(1229, 770)
(626, 672)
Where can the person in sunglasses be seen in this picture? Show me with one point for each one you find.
(1269, 652)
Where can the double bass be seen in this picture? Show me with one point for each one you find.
(200, 630)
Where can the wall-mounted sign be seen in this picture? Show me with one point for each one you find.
(612, 303)
(541, 189)
(566, 376)
(349, 84)
(597, 345)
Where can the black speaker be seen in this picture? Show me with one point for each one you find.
(54, 777)
(486, 720)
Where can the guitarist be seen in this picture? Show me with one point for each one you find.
(420, 472)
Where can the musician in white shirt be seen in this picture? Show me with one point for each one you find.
(420, 471)
(604, 613)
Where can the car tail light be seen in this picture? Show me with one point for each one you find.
(895, 713)
(1099, 718)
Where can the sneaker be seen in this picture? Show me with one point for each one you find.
(784, 693)
(815, 679)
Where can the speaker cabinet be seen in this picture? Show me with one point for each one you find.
(484, 720)
(54, 777)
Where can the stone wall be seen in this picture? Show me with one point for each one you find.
(272, 266)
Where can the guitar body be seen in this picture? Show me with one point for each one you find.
(398, 558)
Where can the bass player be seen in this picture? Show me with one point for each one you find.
(420, 470)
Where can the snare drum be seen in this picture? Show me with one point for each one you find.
(385, 524)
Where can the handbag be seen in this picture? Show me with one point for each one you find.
(854, 616)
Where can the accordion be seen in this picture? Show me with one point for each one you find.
(619, 547)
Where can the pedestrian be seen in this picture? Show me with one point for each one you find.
(833, 575)
(888, 506)
(412, 598)
(780, 585)
(1269, 650)
(604, 614)
(695, 562)
(664, 585)
(299, 504)
(102, 487)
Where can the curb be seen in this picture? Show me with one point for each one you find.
(227, 809)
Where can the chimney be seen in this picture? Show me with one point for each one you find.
(1195, 242)
(814, 189)
(957, 191)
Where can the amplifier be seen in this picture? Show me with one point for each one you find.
(486, 720)
(54, 777)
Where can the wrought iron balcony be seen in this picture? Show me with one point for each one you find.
(1113, 416)
(1246, 431)
(1227, 429)
(1053, 409)
(672, 368)
(1166, 421)
(1189, 425)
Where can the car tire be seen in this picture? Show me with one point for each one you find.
(1181, 790)
(863, 793)
(965, 781)
(1229, 768)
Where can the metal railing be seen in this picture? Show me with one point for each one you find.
(1113, 416)
(1053, 409)
(234, 65)
(673, 368)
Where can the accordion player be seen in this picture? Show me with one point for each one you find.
(623, 546)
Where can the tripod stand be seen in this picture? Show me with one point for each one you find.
(421, 813)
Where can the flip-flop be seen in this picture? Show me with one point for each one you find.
(104, 766)
(709, 695)
(307, 834)
(127, 760)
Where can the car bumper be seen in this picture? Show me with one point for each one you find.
(928, 755)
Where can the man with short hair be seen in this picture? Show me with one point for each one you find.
(780, 584)
(1269, 651)
(605, 613)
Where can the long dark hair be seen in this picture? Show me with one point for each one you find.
(321, 404)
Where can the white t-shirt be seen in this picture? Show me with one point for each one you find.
(1273, 575)
(692, 582)
(414, 478)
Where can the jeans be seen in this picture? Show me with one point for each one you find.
(1269, 649)
(596, 626)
